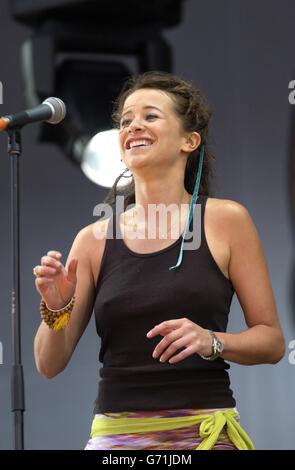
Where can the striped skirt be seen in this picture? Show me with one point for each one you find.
(186, 438)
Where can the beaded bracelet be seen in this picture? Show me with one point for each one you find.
(56, 319)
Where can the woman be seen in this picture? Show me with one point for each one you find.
(161, 302)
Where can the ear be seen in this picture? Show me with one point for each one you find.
(191, 142)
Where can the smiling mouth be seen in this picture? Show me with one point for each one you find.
(140, 143)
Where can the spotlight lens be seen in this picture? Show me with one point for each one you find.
(101, 159)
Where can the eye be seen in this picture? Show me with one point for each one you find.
(151, 117)
(125, 122)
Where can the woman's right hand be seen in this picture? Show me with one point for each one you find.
(54, 282)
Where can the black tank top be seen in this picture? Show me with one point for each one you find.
(135, 292)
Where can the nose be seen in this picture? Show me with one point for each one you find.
(135, 125)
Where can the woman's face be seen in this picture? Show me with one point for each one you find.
(150, 131)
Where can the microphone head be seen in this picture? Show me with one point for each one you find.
(58, 109)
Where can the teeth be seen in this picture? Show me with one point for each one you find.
(137, 143)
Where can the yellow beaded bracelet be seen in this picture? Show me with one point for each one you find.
(56, 319)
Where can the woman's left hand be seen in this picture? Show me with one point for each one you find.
(177, 334)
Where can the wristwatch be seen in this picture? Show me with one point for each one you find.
(217, 348)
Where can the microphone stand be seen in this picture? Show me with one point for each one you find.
(17, 378)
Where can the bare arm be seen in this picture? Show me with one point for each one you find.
(263, 341)
(52, 349)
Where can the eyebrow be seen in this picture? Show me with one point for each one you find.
(145, 107)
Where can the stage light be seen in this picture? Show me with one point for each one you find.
(82, 52)
(101, 159)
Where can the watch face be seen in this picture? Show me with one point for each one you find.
(218, 346)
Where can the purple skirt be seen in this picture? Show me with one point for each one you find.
(177, 439)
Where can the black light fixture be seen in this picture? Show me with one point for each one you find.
(83, 51)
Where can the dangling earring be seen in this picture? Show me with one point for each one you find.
(127, 175)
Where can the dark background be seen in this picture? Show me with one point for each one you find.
(241, 54)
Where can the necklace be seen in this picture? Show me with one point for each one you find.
(156, 225)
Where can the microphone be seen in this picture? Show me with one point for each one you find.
(52, 110)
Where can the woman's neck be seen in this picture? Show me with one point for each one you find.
(160, 192)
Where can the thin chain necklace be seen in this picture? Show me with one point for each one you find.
(137, 228)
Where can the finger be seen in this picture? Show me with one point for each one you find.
(164, 327)
(55, 254)
(45, 271)
(43, 281)
(165, 342)
(37, 271)
(182, 355)
(50, 261)
(173, 348)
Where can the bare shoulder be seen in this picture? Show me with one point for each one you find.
(227, 208)
(233, 240)
(91, 235)
(228, 216)
(91, 239)
(232, 222)
(229, 230)
(89, 244)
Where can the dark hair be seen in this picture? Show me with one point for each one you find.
(194, 113)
